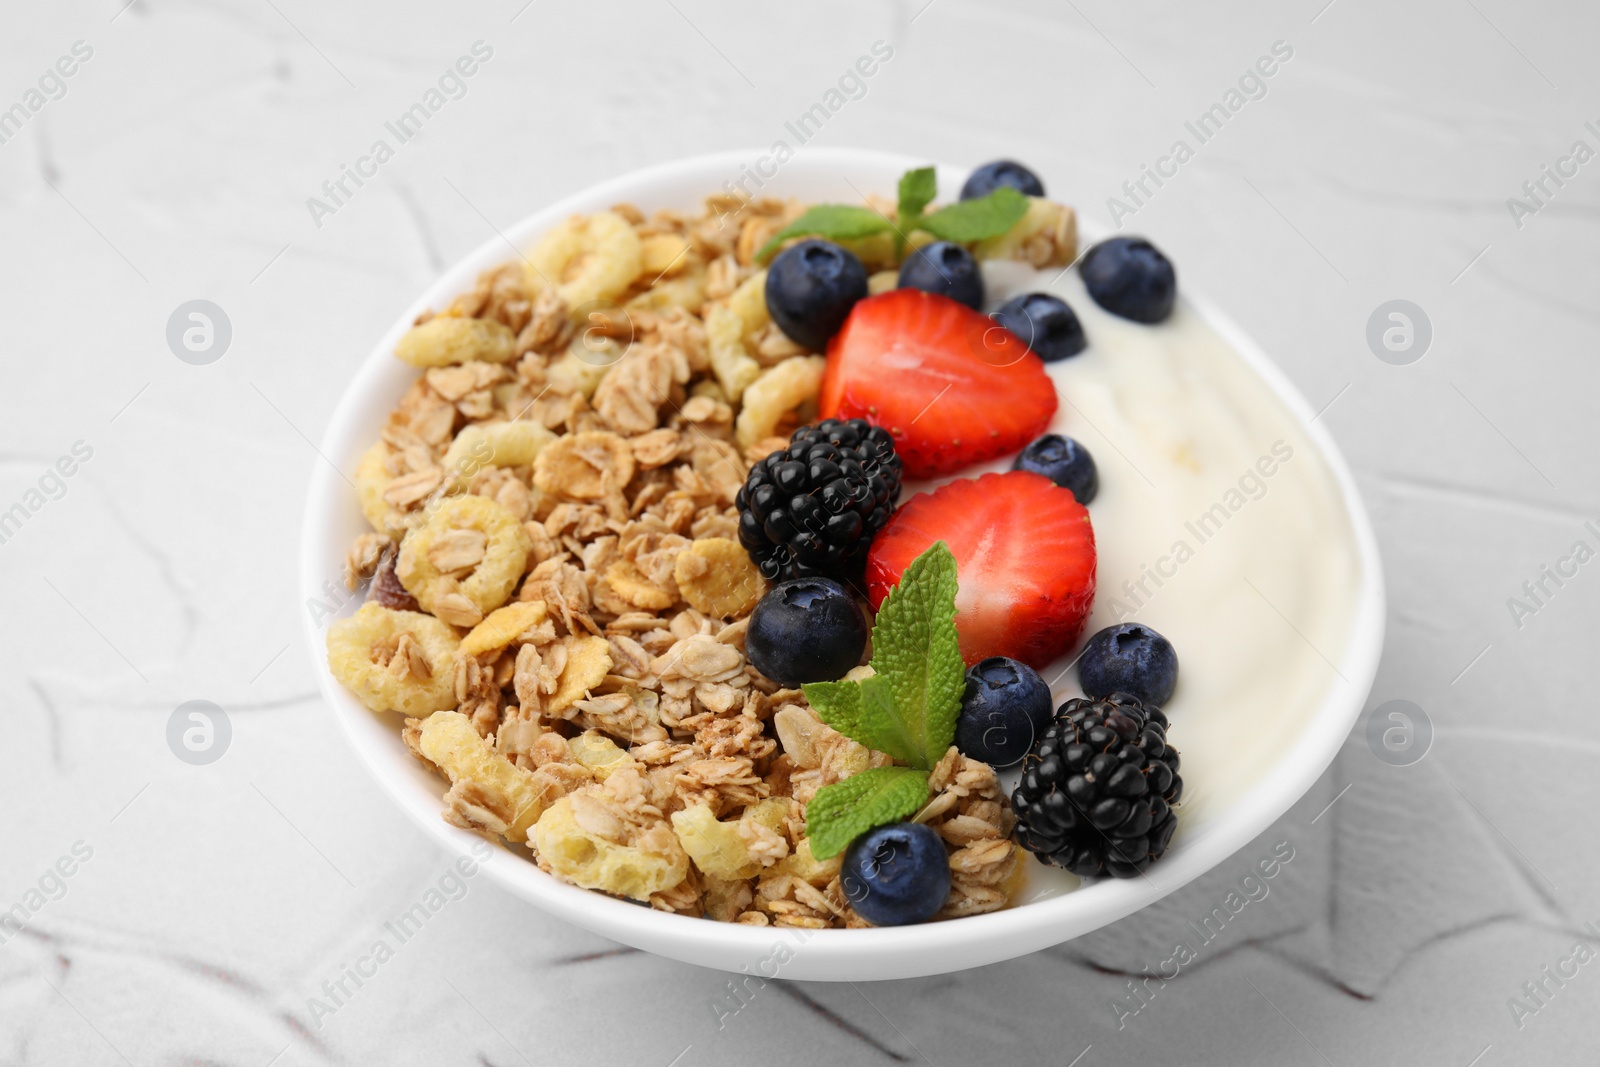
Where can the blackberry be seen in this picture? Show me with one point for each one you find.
(812, 509)
(1097, 790)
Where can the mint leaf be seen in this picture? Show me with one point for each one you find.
(885, 724)
(974, 220)
(840, 813)
(864, 712)
(963, 222)
(837, 222)
(907, 708)
(917, 190)
(917, 654)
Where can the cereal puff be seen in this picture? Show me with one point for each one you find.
(464, 560)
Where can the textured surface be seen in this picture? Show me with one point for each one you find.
(217, 899)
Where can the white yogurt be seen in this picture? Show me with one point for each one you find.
(1217, 523)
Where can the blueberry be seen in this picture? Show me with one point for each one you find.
(946, 269)
(1065, 462)
(1129, 658)
(1128, 276)
(991, 176)
(1005, 707)
(811, 288)
(806, 630)
(1046, 323)
(896, 874)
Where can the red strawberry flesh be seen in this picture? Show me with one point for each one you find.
(1025, 562)
(953, 386)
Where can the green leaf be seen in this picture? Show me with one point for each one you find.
(889, 730)
(975, 220)
(917, 190)
(917, 654)
(906, 708)
(840, 813)
(863, 712)
(837, 222)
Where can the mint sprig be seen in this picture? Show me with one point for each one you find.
(917, 190)
(963, 222)
(836, 222)
(864, 711)
(907, 708)
(976, 220)
(842, 812)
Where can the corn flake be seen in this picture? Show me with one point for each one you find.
(588, 663)
(717, 578)
(503, 626)
(584, 466)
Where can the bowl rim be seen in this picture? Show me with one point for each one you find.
(829, 955)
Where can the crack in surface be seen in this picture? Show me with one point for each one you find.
(1414, 953)
(1535, 881)
(590, 957)
(1263, 943)
(66, 950)
(271, 704)
(1463, 496)
(25, 458)
(419, 224)
(1546, 299)
(164, 567)
(839, 1022)
(47, 158)
(52, 717)
(1461, 206)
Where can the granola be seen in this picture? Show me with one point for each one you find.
(554, 496)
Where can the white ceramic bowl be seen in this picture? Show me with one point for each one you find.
(815, 174)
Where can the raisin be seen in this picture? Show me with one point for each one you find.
(386, 588)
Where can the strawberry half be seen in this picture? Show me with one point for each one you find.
(1025, 562)
(952, 386)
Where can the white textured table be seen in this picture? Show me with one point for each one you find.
(205, 905)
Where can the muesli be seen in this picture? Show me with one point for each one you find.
(635, 517)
